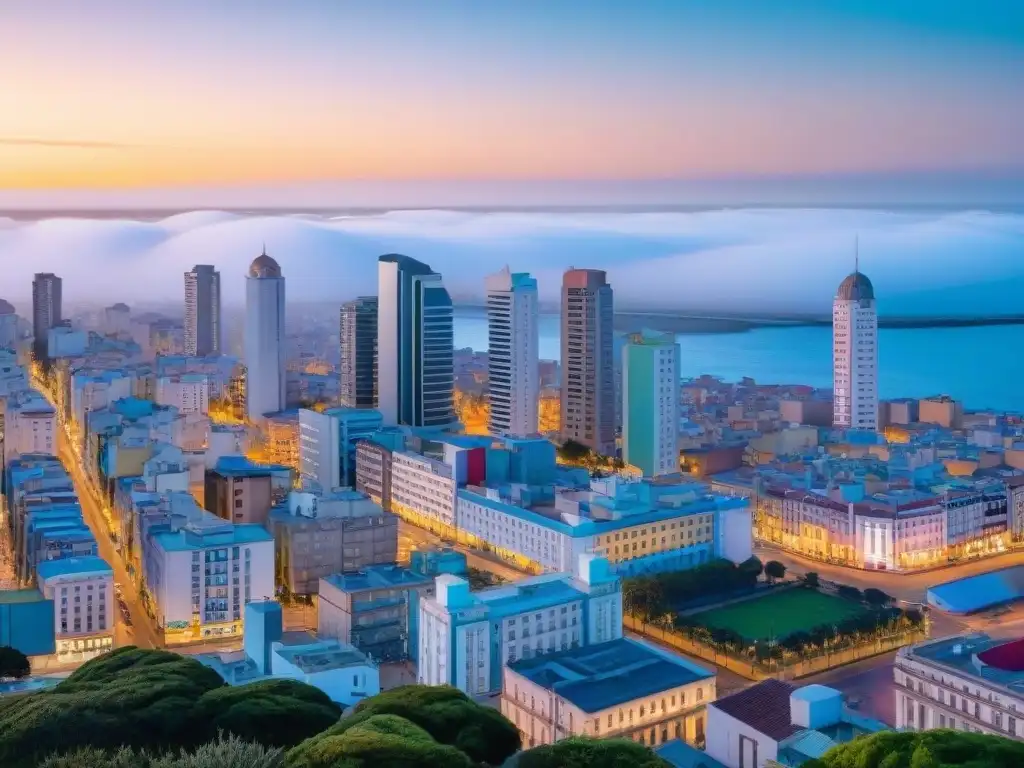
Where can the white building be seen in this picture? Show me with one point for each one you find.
(640, 527)
(269, 653)
(189, 393)
(512, 353)
(64, 341)
(423, 490)
(82, 590)
(621, 689)
(415, 344)
(201, 575)
(855, 354)
(265, 342)
(466, 638)
(967, 682)
(92, 390)
(202, 311)
(30, 425)
(776, 723)
(650, 398)
(320, 448)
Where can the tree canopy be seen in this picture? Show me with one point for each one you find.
(13, 663)
(924, 749)
(580, 752)
(155, 700)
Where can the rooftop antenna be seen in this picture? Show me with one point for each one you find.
(264, 249)
(856, 254)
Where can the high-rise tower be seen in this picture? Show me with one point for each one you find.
(46, 310)
(202, 311)
(588, 361)
(358, 333)
(512, 341)
(650, 394)
(855, 353)
(415, 344)
(264, 338)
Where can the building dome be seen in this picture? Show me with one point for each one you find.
(264, 266)
(856, 287)
(6, 308)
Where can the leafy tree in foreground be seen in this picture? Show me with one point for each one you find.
(377, 741)
(448, 716)
(155, 701)
(811, 580)
(924, 749)
(278, 713)
(581, 752)
(13, 663)
(226, 752)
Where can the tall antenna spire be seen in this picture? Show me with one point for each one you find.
(856, 253)
(264, 249)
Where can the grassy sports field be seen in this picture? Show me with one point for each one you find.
(779, 614)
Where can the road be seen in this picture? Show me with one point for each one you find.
(140, 631)
(410, 537)
(904, 586)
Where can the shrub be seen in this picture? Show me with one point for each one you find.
(811, 580)
(849, 593)
(773, 569)
(377, 741)
(579, 752)
(13, 663)
(938, 748)
(155, 701)
(225, 752)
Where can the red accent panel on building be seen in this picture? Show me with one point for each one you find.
(1008, 656)
(476, 466)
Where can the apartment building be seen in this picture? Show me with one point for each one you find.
(82, 591)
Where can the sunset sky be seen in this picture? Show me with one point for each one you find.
(118, 94)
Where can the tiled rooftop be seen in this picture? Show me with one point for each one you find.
(763, 707)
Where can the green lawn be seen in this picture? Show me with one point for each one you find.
(779, 614)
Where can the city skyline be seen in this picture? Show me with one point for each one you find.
(482, 92)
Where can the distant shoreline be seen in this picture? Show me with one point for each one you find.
(683, 322)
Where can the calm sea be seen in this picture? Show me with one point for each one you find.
(983, 366)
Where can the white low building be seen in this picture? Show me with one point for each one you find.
(82, 591)
(423, 490)
(466, 638)
(968, 682)
(200, 576)
(30, 425)
(189, 393)
(620, 689)
(345, 674)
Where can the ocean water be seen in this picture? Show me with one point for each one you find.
(982, 365)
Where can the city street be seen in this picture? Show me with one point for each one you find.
(140, 632)
(410, 537)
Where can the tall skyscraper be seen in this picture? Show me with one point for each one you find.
(415, 344)
(855, 354)
(202, 311)
(588, 361)
(264, 338)
(358, 333)
(46, 310)
(650, 396)
(512, 342)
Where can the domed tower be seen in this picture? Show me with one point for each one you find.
(264, 338)
(855, 353)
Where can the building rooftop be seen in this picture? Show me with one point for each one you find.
(11, 596)
(241, 466)
(856, 287)
(377, 577)
(321, 656)
(90, 565)
(682, 755)
(264, 267)
(998, 661)
(225, 535)
(763, 707)
(597, 677)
